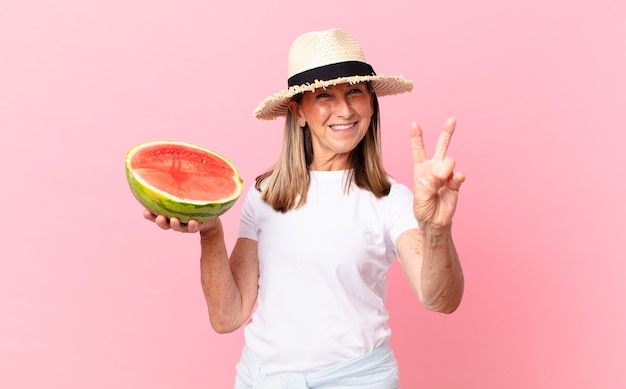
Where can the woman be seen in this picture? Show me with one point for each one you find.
(320, 230)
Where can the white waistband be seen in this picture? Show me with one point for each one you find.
(376, 370)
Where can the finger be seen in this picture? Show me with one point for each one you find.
(445, 170)
(148, 215)
(456, 180)
(193, 226)
(444, 139)
(177, 225)
(162, 222)
(417, 143)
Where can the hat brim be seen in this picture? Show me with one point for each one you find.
(276, 105)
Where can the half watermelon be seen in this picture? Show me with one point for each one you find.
(182, 180)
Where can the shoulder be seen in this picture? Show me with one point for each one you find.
(253, 195)
(399, 190)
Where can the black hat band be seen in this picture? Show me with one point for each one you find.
(331, 72)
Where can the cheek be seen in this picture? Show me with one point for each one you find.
(317, 114)
(365, 125)
(366, 113)
(365, 108)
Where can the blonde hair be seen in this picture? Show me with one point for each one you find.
(285, 186)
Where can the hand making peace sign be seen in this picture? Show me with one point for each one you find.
(437, 186)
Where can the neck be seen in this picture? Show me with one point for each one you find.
(329, 165)
(330, 161)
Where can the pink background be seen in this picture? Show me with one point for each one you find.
(93, 296)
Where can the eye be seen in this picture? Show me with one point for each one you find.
(322, 95)
(358, 89)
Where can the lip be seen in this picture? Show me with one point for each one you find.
(343, 126)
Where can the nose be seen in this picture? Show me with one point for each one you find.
(342, 107)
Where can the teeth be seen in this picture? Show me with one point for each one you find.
(341, 126)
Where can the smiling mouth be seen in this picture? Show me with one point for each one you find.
(342, 127)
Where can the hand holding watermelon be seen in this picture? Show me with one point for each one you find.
(175, 224)
(182, 186)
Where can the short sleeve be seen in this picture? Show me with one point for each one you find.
(401, 216)
(247, 228)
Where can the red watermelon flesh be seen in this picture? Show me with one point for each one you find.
(182, 180)
(185, 173)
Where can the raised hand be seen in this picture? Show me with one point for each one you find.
(437, 186)
(174, 224)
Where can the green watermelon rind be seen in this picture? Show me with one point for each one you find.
(162, 203)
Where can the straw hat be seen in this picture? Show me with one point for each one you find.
(322, 58)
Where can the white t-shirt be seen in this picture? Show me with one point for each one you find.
(323, 267)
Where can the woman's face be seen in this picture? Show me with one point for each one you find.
(338, 117)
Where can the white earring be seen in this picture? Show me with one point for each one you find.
(303, 124)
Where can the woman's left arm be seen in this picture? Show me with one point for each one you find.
(428, 255)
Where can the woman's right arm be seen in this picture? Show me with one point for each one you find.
(230, 285)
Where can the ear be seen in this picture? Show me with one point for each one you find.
(294, 107)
